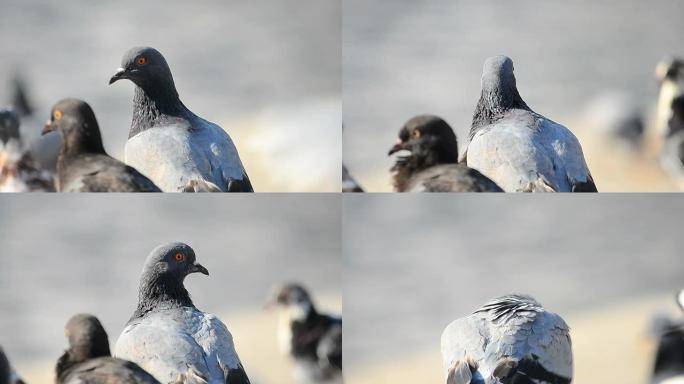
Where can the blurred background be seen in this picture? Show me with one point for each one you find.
(267, 71)
(587, 65)
(609, 265)
(63, 255)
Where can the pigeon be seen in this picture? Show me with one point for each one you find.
(511, 339)
(178, 150)
(168, 336)
(672, 154)
(19, 172)
(7, 374)
(349, 184)
(670, 74)
(668, 366)
(432, 165)
(312, 339)
(522, 151)
(83, 164)
(88, 359)
(20, 99)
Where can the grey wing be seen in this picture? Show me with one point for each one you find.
(463, 340)
(109, 371)
(107, 176)
(224, 160)
(452, 178)
(215, 338)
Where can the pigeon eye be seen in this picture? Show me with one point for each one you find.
(57, 115)
(141, 60)
(416, 134)
(179, 257)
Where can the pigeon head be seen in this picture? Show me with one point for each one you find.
(9, 125)
(669, 68)
(499, 91)
(87, 338)
(430, 141)
(294, 299)
(75, 121)
(161, 284)
(147, 68)
(428, 136)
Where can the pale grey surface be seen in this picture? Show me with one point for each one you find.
(404, 57)
(65, 254)
(414, 263)
(229, 58)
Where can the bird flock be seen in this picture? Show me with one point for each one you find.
(169, 340)
(169, 148)
(512, 148)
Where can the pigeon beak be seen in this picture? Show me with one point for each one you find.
(398, 146)
(120, 74)
(47, 128)
(197, 267)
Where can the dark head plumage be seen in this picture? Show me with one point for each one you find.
(670, 68)
(430, 141)
(291, 294)
(87, 340)
(155, 95)
(9, 125)
(499, 92)
(76, 122)
(161, 283)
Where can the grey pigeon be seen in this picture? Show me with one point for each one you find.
(19, 172)
(312, 339)
(432, 164)
(88, 361)
(349, 184)
(521, 150)
(511, 339)
(178, 150)
(672, 153)
(670, 74)
(83, 164)
(668, 365)
(168, 336)
(7, 373)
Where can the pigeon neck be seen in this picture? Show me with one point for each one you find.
(494, 102)
(420, 159)
(152, 105)
(82, 140)
(161, 292)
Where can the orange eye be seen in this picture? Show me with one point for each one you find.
(416, 134)
(57, 115)
(179, 257)
(141, 60)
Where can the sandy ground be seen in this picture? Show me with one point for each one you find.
(612, 336)
(404, 58)
(254, 332)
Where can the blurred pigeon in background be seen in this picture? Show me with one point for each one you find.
(7, 374)
(522, 151)
(668, 365)
(349, 184)
(432, 163)
(670, 74)
(672, 154)
(312, 339)
(617, 117)
(178, 150)
(168, 336)
(19, 172)
(88, 360)
(511, 339)
(83, 164)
